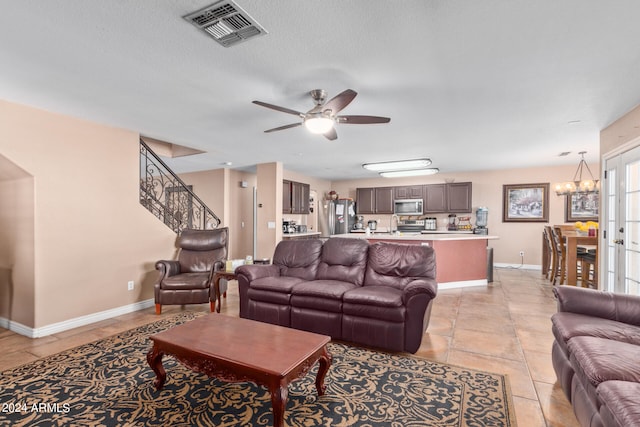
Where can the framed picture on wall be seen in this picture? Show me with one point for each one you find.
(581, 207)
(525, 202)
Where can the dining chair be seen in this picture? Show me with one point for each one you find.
(548, 245)
(588, 262)
(560, 270)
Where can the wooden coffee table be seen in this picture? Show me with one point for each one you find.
(238, 350)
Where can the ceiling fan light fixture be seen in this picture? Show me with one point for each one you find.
(411, 172)
(318, 124)
(411, 164)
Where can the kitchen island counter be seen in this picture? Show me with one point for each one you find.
(461, 258)
(301, 235)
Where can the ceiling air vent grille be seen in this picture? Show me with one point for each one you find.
(226, 23)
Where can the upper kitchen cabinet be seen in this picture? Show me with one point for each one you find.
(374, 200)
(286, 197)
(299, 198)
(408, 192)
(459, 197)
(435, 198)
(295, 197)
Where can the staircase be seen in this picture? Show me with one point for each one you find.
(168, 198)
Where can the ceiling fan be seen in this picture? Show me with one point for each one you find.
(322, 118)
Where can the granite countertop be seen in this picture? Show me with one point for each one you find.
(418, 236)
(307, 233)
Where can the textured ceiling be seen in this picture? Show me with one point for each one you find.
(473, 85)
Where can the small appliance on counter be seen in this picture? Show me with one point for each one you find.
(301, 228)
(411, 225)
(359, 225)
(482, 217)
(430, 224)
(289, 227)
(453, 225)
(372, 224)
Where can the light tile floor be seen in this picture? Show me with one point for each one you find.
(504, 328)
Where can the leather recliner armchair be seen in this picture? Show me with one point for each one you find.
(188, 280)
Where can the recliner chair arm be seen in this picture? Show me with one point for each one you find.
(258, 271)
(167, 268)
(420, 286)
(607, 305)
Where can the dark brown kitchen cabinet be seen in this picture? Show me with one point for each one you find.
(299, 198)
(384, 200)
(408, 192)
(374, 200)
(295, 197)
(286, 197)
(435, 198)
(459, 197)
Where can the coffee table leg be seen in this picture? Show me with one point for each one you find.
(279, 396)
(324, 363)
(154, 359)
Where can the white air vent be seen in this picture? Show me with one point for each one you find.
(226, 23)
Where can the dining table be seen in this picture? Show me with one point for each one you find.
(573, 238)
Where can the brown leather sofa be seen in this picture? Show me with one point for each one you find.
(596, 355)
(377, 295)
(188, 280)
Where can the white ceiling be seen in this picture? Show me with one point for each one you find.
(471, 84)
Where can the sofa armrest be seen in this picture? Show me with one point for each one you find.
(167, 268)
(257, 271)
(420, 286)
(607, 305)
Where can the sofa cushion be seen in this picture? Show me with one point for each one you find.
(375, 302)
(186, 281)
(329, 289)
(279, 284)
(620, 402)
(567, 325)
(320, 294)
(395, 265)
(599, 359)
(298, 258)
(343, 259)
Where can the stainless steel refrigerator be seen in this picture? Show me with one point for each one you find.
(336, 217)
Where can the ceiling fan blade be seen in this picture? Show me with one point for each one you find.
(277, 108)
(292, 125)
(362, 120)
(331, 135)
(339, 101)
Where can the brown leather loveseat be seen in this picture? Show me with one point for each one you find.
(378, 295)
(596, 355)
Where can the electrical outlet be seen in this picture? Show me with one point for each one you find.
(130, 285)
(521, 253)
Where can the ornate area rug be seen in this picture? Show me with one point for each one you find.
(108, 383)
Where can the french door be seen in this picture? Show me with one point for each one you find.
(621, 223)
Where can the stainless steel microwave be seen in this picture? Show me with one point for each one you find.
(408, 207)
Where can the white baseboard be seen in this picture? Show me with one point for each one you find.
(462, 284)
(74, 323)
(518, 266)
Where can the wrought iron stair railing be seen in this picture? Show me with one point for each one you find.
(167, 197)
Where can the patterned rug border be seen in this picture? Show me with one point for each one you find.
(426, 370)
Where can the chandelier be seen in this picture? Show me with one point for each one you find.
(578, 185)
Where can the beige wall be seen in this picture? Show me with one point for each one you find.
(91, 235)
(220, 189)
(17, 264)
(487, 191)
(620, 132)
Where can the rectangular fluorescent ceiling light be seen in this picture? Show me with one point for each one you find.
(397, 165)
(416, 172)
